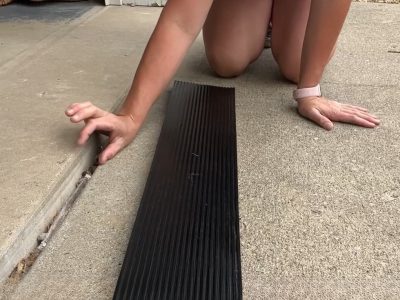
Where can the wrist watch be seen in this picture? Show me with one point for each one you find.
(314, 91)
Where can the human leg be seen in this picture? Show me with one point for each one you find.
(234, 34)
(289, 22)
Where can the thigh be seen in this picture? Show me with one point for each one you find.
(234, 32)
(289, 23)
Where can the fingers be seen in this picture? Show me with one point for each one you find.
(367, 116)
(92, 126)
(83, 111)
(83, 114)
(324, 112)
(356, 115)
(355, 107)
(101, 121)
(75, 107)
(353, 118)
(315, 115)
(110, 151)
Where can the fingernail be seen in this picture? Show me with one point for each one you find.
(69, 111)
(74, 118)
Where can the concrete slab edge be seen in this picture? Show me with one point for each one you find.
(26, 239)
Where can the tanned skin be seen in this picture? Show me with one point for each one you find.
(303, 41)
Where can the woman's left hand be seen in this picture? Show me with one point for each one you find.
(324, 112)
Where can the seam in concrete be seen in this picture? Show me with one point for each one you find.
(44, 238)
(25, 264)
(26, 240)
(27, 55)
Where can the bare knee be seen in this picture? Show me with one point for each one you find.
(289, 64)
(225, 64)
(290, 72)
(287, 60)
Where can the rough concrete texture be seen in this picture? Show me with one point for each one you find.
(47, 12)
(380, 1)
(40, 162)
(17, 19)
(319, 210)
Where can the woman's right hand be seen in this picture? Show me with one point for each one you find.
(121, 129)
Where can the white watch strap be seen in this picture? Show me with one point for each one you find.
(314, 91)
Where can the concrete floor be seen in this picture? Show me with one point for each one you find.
(45, 66)
(319, 210)
(44, 11)
(24, 25)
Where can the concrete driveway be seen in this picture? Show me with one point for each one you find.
(319, 210)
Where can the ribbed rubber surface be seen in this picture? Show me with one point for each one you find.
(185, 241)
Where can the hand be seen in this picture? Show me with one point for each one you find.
(120, 129)
(324, 112)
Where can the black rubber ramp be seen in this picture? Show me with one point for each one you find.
(185, 241)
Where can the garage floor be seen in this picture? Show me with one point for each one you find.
(319, 211)
(44, 11)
